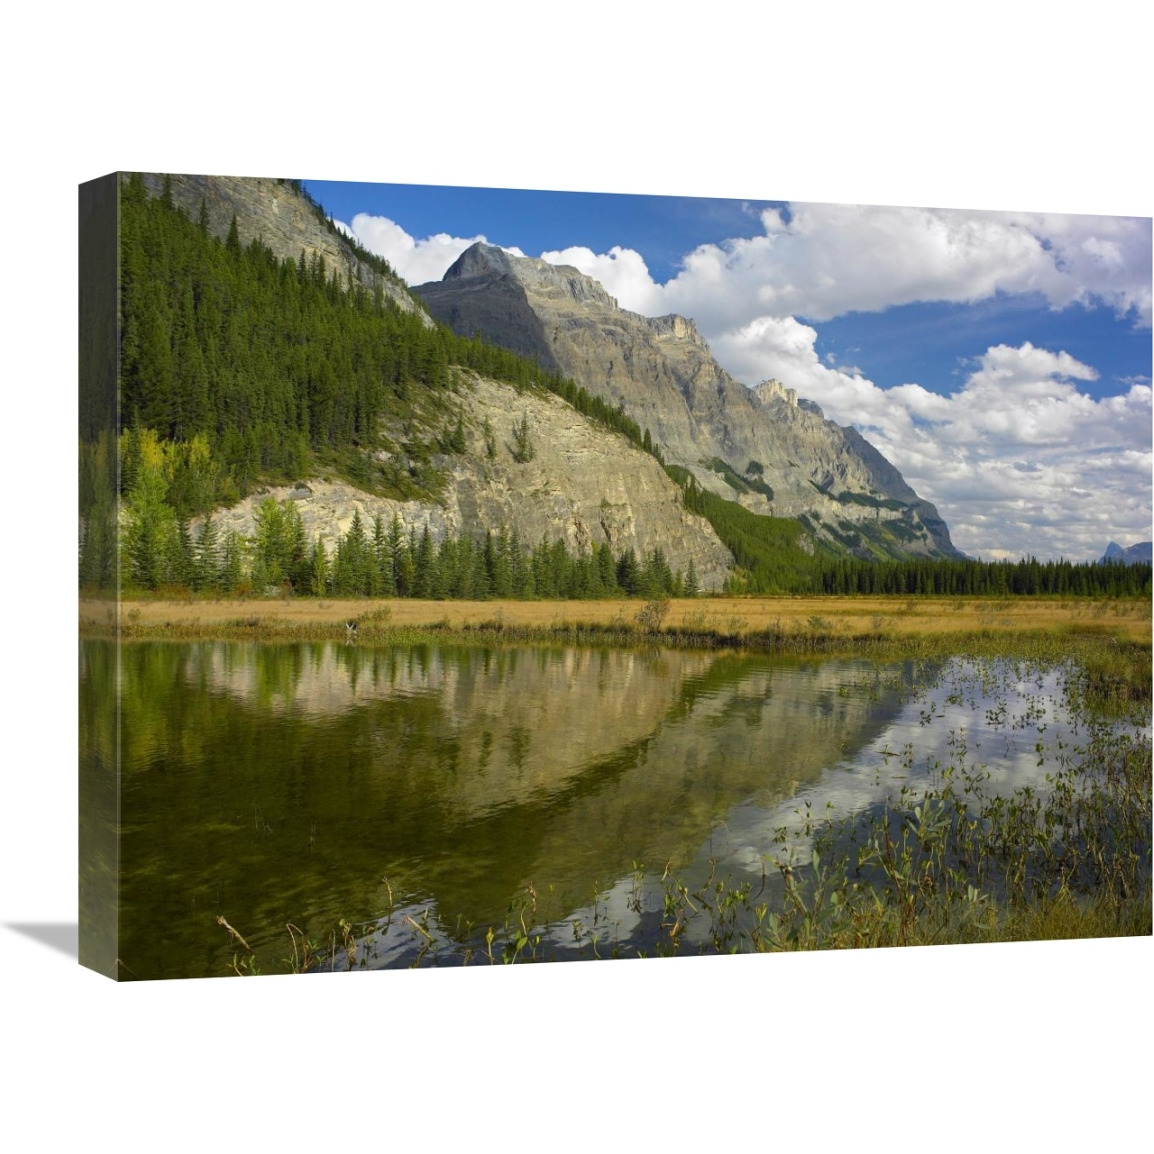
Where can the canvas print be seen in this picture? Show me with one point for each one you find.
(482, 576)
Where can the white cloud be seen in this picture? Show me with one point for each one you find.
(1018, 460)
(418, 261)
(832, 259)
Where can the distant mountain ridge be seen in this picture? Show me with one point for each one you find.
(761, 447)
(1131, 555)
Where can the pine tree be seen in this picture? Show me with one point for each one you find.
(352, 569)
(457, 440)
(423, 576)
(520, 571)
(523, 450)
(98, 552)
(628, 574)
(691, 586)
(381, 563)
(394, 547)
(150, 523)
(281, 544)
(502, 581)
(232, 563)
(206, 573)
(183, 567)
(606, 568)
(318, 569)
(406, 567)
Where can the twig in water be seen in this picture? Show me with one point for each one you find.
(221, 922)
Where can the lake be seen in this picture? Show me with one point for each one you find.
(424, 794)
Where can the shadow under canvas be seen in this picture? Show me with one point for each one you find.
(61, 936)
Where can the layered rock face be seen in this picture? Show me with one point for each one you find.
(582, 485)
(662, 372)
(283, 220)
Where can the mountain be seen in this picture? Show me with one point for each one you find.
(264, 353)
(762, 447)
(1138, 554)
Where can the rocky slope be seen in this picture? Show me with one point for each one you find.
(583, 484)
(283, 219)
(760, 446)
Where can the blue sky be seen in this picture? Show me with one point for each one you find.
(1001, 360)
(661, 228)
(931, 343)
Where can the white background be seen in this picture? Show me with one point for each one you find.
(971, 106)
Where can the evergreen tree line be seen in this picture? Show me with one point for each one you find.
(370, 259)
(380, 559)
(767, 550)
(1027, 577)
(770, 560)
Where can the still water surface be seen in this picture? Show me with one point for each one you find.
(303, 784)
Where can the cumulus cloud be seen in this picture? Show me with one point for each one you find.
(418, 261)
(828, 260)
(1018, 461)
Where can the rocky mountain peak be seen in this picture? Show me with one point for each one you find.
(539, 277)
(1138, 554)
(479, 260)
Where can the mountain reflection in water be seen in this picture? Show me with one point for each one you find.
(302, 784)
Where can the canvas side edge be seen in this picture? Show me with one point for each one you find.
(99, 577)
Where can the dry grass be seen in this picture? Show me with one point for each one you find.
(840, 616)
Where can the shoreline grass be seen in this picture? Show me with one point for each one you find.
(1114, 652)
(751, 620)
